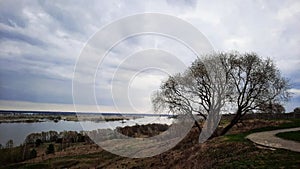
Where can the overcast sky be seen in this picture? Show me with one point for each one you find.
(40, 42)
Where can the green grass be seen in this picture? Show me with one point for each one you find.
(292, 124)
(292, 135)
(241, 137)
(237, 137)
(278, 158)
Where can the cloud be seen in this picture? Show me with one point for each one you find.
(295, 92)
(20, 37)
(40, 42)
(252, 26)
(34, 88)
(34, 106)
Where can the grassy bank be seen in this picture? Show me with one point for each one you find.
(230, 151)
(285, 125)
(292, 135)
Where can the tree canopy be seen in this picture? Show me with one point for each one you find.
(212, 84)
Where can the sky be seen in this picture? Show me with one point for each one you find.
(41, 41)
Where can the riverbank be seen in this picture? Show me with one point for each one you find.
(13, 116)
(229, 151)
(18, 131)
(23, 117)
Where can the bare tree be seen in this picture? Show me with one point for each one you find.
(200, 90)
(243, 81)
(272, 108)
(255, 82)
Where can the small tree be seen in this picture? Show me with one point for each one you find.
(297, 110)
(50, 149)
(33, 153)
(10, 143)
(38, 142)
(272, 108)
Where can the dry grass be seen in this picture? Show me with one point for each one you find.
(232, 151)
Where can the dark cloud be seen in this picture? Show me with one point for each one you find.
(25, 86)
(60, 13)
(41, 40)
(11, 14)
(4, 35)
(12, 20)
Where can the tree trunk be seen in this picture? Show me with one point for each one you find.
(227, 128)
(198, 126)
(232, 123)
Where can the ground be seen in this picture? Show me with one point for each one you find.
(229, 151)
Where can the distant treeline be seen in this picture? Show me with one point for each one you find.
(76, 113)
(36, 112)
(265, 116)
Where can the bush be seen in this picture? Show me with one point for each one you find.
(10, 144)
(50, 149)
(11, 155)
(38, 142)
(297, 110)
(33, 153)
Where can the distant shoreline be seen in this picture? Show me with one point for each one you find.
(78, 113)
(15, 116)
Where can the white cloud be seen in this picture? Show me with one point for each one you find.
(289, 11)
(295, 92)
(44, 39)
(34, 106)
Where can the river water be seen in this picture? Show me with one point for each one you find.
(18, 131)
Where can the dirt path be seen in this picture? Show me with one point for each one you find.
(269, 139)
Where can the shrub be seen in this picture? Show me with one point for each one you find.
(33, 153)
(50, 149)
(297, 110)
(38, 142)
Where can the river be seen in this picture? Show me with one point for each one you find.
(18, 131)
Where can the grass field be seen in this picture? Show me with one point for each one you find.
(292, 135)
